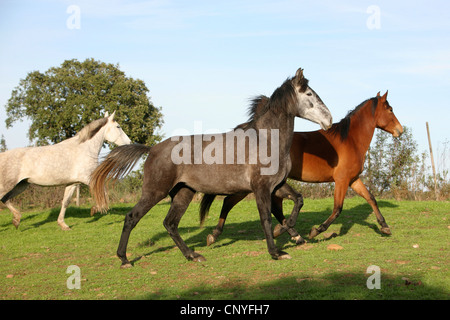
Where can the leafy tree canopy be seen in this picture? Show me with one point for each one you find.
(390, 161)
(64, 99)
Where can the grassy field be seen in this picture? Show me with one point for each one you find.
(413, 261)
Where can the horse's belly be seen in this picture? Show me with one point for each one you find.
(313, 170)
(316, 178)
(49, 180)
(217, 179)
(49, 175)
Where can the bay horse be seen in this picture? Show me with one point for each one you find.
(336, 155)
(69, 162)
(180, 169)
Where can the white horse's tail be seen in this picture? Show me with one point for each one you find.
(117, 164)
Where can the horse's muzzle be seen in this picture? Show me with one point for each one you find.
(398, 132)
(327, 125)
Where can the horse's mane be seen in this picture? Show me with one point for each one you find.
(342, 127)
(91, 129)
(257, 106)
(279, 100)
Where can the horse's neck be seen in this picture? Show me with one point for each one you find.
(362, 128)
(94, 145)
(284, 123)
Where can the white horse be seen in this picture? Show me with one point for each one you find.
(69, 162)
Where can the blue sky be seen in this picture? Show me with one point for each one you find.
(203, 60)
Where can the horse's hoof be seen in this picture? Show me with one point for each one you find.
(126, 265)
(196, 257)
(199, 259)
(65, 227)
(210, 239)
(386, 230)
(298, 240)
(278, 230)
(284, 257)
(281, 255)
(313, 233)
(16, 223)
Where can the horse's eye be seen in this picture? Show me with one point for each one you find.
(309, 94)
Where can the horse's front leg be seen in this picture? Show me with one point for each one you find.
(277, 209)
(68, 193)
(180, 203)
(263, 201)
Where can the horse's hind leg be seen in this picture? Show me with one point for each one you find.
(68, 193)
(6, 199)
(228, 203)
(147, 201)
(180, 203)
(16, 213)
(340, 190)
(361, 189)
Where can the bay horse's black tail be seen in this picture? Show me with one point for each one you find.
(205, 204)
(117, 164)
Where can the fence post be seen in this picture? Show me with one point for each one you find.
(432, 163)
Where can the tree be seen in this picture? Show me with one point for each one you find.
(390, 162)
(64, 99)
(3, 146)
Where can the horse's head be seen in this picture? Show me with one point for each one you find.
(385, 117)
(114, 133)
(309, 105)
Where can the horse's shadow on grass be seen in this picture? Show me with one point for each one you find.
(333, 286)
(82, 214)
(252, 230)
(72, 212)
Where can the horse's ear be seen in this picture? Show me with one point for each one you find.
(106, 114)
(385, 95)
(378, 94)
(299, 74)
(112, 116)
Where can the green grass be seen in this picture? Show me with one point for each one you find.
(34, 258)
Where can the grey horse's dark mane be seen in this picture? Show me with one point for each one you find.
(89, 131)
(279, 100)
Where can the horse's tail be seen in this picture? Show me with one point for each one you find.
(117, 164)
(205, 204)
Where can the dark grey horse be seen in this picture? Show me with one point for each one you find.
(217, 164)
